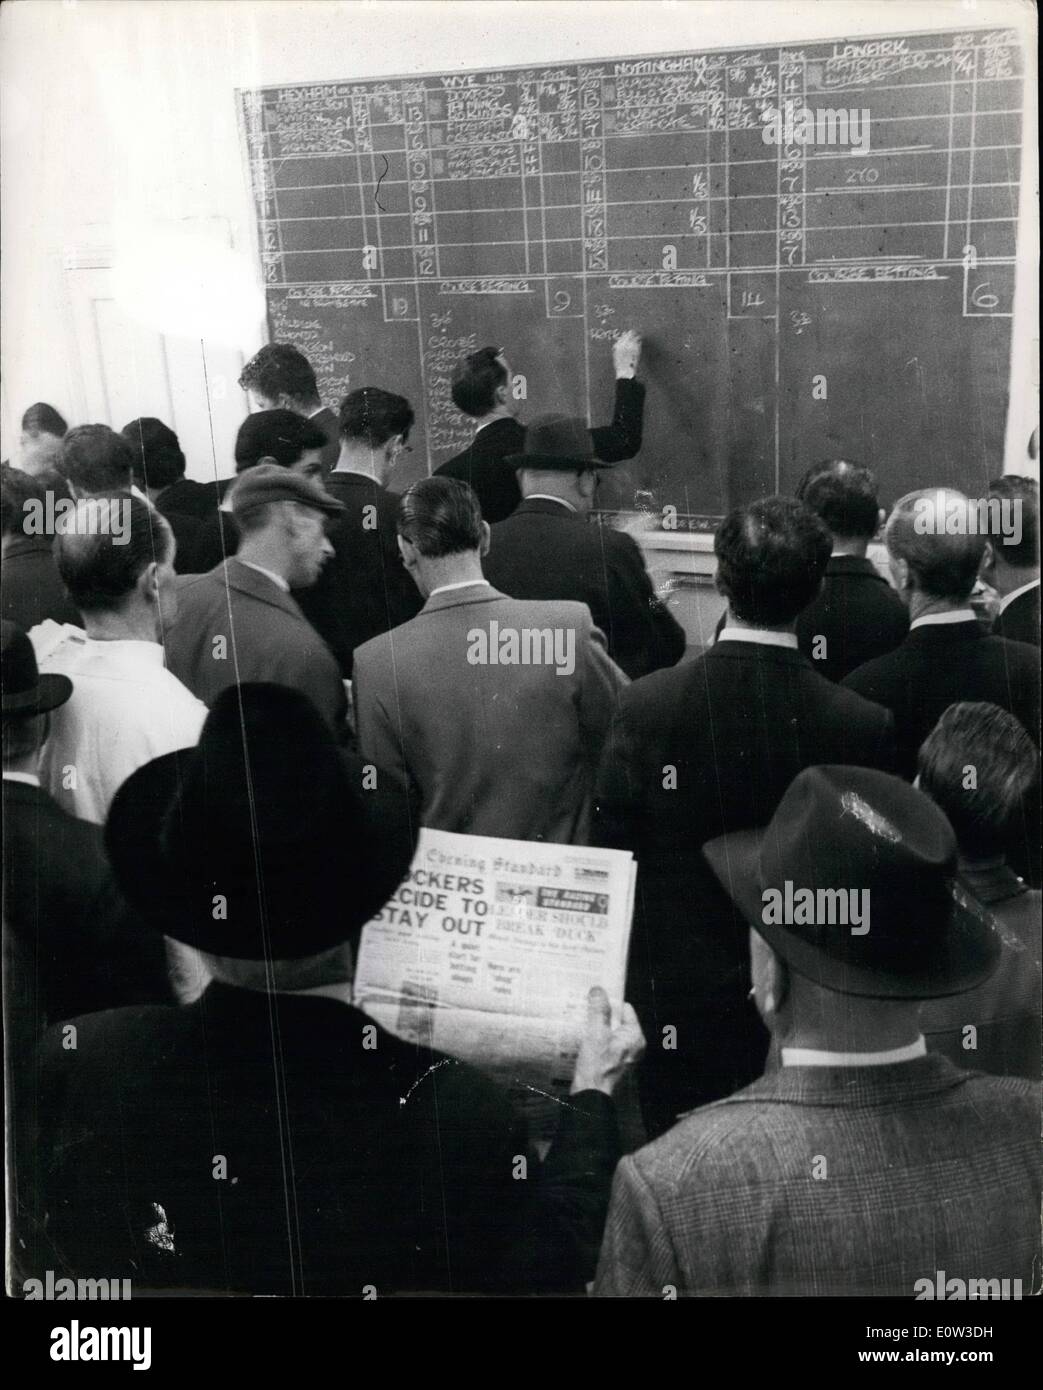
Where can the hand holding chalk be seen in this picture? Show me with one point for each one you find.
(626, 352)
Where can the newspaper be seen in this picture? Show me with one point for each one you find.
(488, 949)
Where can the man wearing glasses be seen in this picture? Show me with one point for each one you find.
(364, 590)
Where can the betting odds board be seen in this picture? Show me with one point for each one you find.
(837, 284)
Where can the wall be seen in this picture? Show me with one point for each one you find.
(120, 139)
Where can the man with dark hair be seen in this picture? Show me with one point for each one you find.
(364, 590)
(280, 377)
(282, 437)
(126, 707)
(360, 1160)
(96, 461)
(39, 445)
(861, 1166)
(239, 622)
(548, 549)
(159, 475)
(481, 388)
(857, 615)
(497, 740)
(42, 418)
(30, 587)
(936, 547)
(1011, 563)
(978, 764)
(705, 749)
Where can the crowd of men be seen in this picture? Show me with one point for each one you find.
(229, 705)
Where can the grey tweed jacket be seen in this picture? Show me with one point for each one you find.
(827, 1181)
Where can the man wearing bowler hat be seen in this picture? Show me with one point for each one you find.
(547, 550)
(239, 622)
(270, 1138)
(862, 1165)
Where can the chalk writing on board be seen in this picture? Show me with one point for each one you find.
(526, 203)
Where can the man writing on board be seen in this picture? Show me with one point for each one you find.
(482, 389)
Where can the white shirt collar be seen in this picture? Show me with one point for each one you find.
(276, 579)
(548, 497)
(960, 615)
(135, 648)
(759, 635)
(815, 1057)
(1017, 593)
(463, 584)
(29, 778)
(494, 421)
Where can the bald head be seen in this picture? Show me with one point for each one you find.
(937, 540)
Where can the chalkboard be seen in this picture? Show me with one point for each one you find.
(799, 299)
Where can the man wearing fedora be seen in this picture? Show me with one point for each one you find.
(239, 622)
(70, 945)
(270, 1138)
(60, 901)
(704, 749)
(863, 1165)
(548, 550)
(493, 746)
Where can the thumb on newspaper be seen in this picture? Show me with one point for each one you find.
(599, 1010)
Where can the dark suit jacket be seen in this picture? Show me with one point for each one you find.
(86, 950)
(364, 589)
(940, 664)
(1019, 621)
(267, 638)
(735, 726)
(327, 421)
(492, 749)
(1005, 1010)
(546, 551)
(927, 1169)
(206, 536)
(191, 498)
(31, 587)
(857, 613)
(482, 464)
(70, 946)
(353, 1159)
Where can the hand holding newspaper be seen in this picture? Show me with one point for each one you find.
(487, 950)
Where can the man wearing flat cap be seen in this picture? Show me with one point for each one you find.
(239, 622)
(547, 550)
(270, 1138)
(862, 1165)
